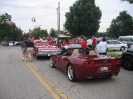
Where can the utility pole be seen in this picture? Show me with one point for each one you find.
(58, 18)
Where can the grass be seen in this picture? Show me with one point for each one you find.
(115, 54)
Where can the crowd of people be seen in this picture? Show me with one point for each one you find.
(96, 45)
(28, 47)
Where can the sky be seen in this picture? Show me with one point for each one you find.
(45, 12)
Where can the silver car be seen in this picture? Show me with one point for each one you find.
(116, 45)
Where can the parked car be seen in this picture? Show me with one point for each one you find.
(127, 59)
(5, 43)
(81, 66)
(17, 43)
(126, 39)
(42, 48)
(116, 45)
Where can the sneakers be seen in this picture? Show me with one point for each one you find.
(26, 59)
(23, 58)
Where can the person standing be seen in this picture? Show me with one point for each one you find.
(51, 41)
(40, 38)
(94, 42)
(84, 46)
(32, 39)
(24, 49)
(30, 49)
(89, 43)
(102, 47)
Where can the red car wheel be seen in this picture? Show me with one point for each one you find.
(71, 73)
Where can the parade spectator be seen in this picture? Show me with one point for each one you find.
(63, 45)
(32, 39)
(84, 45)
(70, 41)
(40, 38)
(24, 49)
(102, 47)
(78, 40)
(30, 49)
(51, 41)
(89, 43)
(94, 42)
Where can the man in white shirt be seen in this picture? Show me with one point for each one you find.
(89, 43)
(102, 47)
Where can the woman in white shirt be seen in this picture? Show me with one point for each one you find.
(102, 47)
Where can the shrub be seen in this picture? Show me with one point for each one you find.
(115, 54)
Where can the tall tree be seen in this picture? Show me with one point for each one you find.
(37, 31)
(8, 29)
(121, 26)
(5, 28)
(53, 33)
(83, 18)
(130, 1)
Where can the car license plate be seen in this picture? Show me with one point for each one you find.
(104, 68)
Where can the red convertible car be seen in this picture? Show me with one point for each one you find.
(42, 48)
(80, 66)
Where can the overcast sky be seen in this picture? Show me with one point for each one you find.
(22, 12)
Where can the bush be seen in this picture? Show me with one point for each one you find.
(115, 54)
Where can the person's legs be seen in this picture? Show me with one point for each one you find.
(30, 53)
(23, 51)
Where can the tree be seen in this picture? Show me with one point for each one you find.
(83, 18)
(8, 29)
(53, 33)
(121, 26)
(5, 28)
(37, 31)
(130, 1)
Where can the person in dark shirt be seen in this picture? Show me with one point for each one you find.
(30, 49)
(24, 49)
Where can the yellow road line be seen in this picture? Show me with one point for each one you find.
(42, 77)
(55, 87)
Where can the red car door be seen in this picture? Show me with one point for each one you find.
(63, 62)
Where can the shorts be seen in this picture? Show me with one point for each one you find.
(30, 50)
(24, 50)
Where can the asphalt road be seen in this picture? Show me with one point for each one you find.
(37, 80)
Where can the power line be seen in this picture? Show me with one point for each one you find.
(35, 16)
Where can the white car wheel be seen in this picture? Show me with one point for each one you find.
(51, 62)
